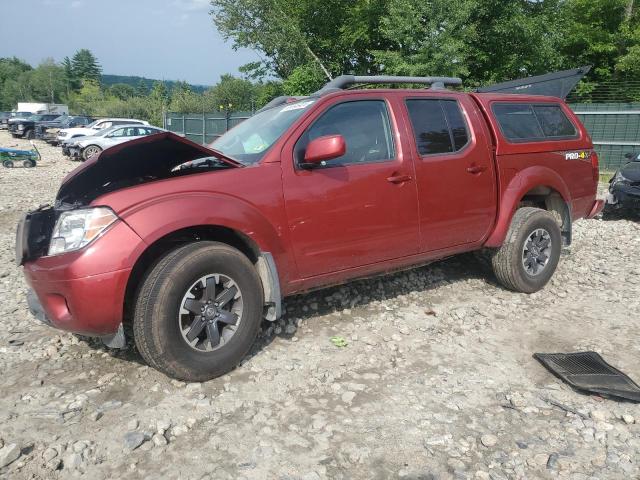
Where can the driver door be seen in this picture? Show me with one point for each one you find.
(358, 209)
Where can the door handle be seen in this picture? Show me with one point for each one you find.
(474, 169)
(399, 178)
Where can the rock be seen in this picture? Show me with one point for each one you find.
(163, 425)
(599, 415)
(49, 454)
(9, 454)
(73, 461)
(133, 424)
(96, 415)
(552, 461)
(179, 430)
(347, 397)
(133, 440)
(159, 440)
(628, 419)
(79, 447)
(489, 440)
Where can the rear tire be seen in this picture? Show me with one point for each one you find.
(530, 253)
(159, 328)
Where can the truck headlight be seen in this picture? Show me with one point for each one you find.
(20, 127)
(77, 228)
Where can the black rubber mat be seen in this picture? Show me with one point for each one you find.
(587, 371)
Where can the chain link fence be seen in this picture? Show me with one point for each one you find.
(614, 129)
(203, 127)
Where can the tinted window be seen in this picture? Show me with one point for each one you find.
(517, 121)
(553, 121)
(523, 121)
(456, 123)
(438, 125)
(365, 127)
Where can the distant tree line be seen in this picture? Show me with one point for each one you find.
(305, 42)
(78, 82)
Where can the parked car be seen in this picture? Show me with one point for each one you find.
(86, 147)
(193, 246)
(48, 131)
(624, 187)
(4, 122)
(26, 127)
(66, 134)
(4, 119)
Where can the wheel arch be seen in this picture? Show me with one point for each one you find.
(156, 250)
(536, 186)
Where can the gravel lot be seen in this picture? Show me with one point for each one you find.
(437, 379)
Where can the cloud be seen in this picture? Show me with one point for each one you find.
(192, 5)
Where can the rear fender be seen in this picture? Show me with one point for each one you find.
(522, 183)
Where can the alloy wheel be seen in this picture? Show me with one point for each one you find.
(210, 312)
(536, 251)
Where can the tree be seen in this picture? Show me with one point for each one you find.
(483, 41)
(48, 82)
(85, 66)
(232, 93)
(122, 91)
(14, 82)
(334, 35)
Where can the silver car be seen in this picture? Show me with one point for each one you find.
(89, 146)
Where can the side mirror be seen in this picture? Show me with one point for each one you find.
(324, 148)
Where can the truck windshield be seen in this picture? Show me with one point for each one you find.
(249, 141)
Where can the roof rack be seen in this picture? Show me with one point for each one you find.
(339, 83)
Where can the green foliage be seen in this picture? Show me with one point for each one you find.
(482, 41)
(304, 80)
(122, 91)
(85, 66)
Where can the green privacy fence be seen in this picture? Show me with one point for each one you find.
(614, 128)
(203, 127)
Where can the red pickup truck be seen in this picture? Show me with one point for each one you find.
(193, 246)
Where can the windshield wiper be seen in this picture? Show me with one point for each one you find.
(225, 156)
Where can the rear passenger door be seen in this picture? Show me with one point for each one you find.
(454, 170)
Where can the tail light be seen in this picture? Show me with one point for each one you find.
(595, 165)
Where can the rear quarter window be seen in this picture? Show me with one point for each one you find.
(528, 122)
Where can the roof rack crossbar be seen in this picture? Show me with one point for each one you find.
(343, 81)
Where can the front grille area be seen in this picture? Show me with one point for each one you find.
(34, 234)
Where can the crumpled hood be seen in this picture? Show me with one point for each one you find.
(138, 161)
(631, 171)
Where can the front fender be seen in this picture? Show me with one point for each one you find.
(161, 216)
(521, 183)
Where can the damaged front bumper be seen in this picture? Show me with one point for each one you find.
(624, 195)
(81, 291)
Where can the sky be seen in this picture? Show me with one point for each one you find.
(161, 39)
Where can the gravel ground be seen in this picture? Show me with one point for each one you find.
(436, 379)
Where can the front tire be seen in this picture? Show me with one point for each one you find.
(198, 311)
(30, 135)
(530, 253)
